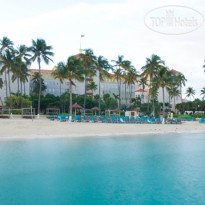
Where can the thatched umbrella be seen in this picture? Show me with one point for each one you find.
(117, 110)
(76, 106)
(95, 109)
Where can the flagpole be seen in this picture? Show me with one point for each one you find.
(81, 36)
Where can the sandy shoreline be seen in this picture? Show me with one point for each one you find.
(41, 129)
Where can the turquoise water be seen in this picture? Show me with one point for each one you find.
(154, 169)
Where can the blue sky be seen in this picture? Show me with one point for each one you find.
(111, 28)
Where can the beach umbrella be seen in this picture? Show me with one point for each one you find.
(76, 106)
(117, 110)
(95, 109)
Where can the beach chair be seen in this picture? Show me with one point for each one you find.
(103, 120)
(138, 121)
(51, 117)
(109, 120)
(96, 119)
(78, 118)
(179, 121)
(132, 120)
(127, 120)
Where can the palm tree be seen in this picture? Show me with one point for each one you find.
(203, 93)
(8, 66)
(37, 80)
(92, 86)
(173, 92)
(163, 79)
(180, 81)
(130, 79)
(142, 82)
(126, 66)
(41, 52)
(74, 71)
(102, 66)
(89, 63)
(190, 92)
(59, 74)
(119, 63)
(150, 70)
(204, 67)
(5, 43)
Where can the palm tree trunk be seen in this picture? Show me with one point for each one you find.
(71, 98)
(60, 88)
(21, 95)
(39, 94)
(18, 85)
(24, 86)
(6, 85)
(125, 94)
(163, 101)
(153, 107)
(119, 94)
(85, 94)
(174, 105)
(99, 94)
(10, 106)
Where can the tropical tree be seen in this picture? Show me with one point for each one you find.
(119, 63)
(8, 65)
(37, 80)
(204, 67)
(142, 82)
(89, 63)
(131, 79)
(162, 81)
(150, 71)
(73, 71)
(103, 67)
(5, 43)
(92, 86)
(40, 52)
(173, 92)
(190, 92)
(59, 74)
(203, 93)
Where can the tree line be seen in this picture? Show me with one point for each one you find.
(154, 74)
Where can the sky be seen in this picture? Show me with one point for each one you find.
(112, 28)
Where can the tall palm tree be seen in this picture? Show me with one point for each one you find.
(131, 79)
(180, 81)
(150, 70)
(59, 74)
(40, 52)
(5, 43)
(190, 92)
(119, 63)
(21, 61)
(89, 62)
(74, 71)
(203, 93)
(92, 86)
(173, 92)
(7, 67)
(204, 67)
(126, 66)
(103, 67)
(162, 80)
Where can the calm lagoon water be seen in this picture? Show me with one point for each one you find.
(155, 169)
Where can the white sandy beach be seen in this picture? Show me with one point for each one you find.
(44, 128)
